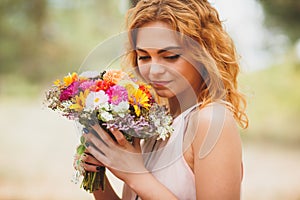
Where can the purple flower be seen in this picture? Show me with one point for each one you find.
(140, 127)
(117, 94)
(69, 92)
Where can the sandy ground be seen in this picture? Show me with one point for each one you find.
(37, 148)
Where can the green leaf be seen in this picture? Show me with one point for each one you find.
(80, 149)
(82, 140)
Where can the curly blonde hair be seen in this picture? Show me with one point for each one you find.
(198, 20)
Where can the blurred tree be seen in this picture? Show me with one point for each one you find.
(42, 38)
(285, 15)
(20, 29)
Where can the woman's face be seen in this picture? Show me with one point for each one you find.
(162, 61)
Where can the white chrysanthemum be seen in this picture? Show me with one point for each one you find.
(95, 99)
(106, 116)
(121, 109)
(104, 106)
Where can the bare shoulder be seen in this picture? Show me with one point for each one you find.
(217, 153)
(213, 128)
(212, 112)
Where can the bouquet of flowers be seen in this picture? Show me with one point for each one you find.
(116, 100)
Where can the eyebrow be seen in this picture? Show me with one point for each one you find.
(161, 50)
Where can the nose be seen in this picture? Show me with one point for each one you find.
(156, 69)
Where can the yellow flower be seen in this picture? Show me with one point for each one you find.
(139, 99)
(57, 82)
(79, 101)
(129, 85)
(68, 80)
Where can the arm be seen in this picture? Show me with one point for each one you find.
(218, 170)
(108, 193)
(152, 190)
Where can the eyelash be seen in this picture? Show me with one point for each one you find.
(173, 57)
(167, 57)
(143, 57)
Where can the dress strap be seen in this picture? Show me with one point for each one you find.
(187, 111)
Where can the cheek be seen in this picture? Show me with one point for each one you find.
(144, 71)
(187, 73)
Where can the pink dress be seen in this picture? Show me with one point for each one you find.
(164, 159)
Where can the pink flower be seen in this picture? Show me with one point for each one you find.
(117, 94)
(69, 92)
(86, 85)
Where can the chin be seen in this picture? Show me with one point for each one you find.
(165, 94)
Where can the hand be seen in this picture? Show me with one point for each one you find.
(90, 163)
(87, 162)
(121, 157)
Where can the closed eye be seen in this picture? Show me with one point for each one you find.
(143, 57)
(174, 57)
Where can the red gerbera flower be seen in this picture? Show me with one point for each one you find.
(102, 85)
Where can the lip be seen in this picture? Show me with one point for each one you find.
(160, 83)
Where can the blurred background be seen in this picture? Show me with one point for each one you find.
(42, 40)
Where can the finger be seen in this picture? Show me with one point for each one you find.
(92, 140)
(94, 132)
(103, 134)
(89, 159)
(91, 168)
(121, 140)
(98, 155)
(87, 152)
(137, 145)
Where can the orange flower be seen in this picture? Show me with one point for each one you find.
(101, 85)
(114, 76)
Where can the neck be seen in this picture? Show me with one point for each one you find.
(180, 103)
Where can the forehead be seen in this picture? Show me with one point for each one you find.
(156, 35)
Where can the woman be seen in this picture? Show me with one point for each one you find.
(181, 48)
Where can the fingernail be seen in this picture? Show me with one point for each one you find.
(92, 122)
(87, 144)
(98, 168)
(85, 130)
